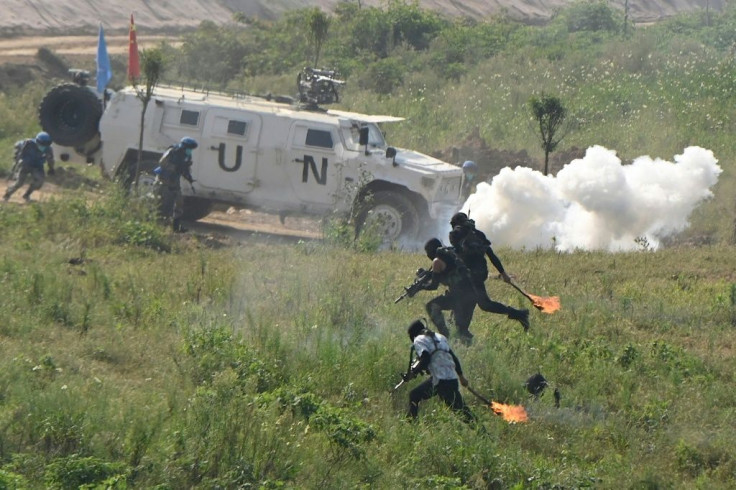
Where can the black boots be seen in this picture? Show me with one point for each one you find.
(522, 316)
(177, 226)
(465, 337)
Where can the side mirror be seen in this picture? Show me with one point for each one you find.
(391, 153)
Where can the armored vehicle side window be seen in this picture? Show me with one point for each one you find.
(236, 127)
(322, 139)
(189, 118)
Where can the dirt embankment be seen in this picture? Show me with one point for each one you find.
(24, 17)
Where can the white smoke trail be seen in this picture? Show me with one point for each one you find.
(594, 203)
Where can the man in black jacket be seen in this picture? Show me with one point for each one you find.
(472, 247)
(460, 298)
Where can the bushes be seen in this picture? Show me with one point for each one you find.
(383, 76)
(75, 472)
(212, 53)
(591, 15)
(12, 481)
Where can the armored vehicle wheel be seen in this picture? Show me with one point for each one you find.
(70, 114)
(196, 208)
(392, 215)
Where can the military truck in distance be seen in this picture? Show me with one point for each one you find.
(271, 154)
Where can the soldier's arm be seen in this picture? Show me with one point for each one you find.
(458, 367)
(497, 263)
(50, 161)
(433, 282)
(186, 169)
(438, 266)
(188, 175)
(422, 365)
(432, 285)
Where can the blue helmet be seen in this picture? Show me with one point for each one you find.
(470, 166)
(188, 143)
(43, 138)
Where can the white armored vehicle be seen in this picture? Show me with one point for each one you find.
(281, 156)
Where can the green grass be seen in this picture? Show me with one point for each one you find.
(270, 365)
(163, 362)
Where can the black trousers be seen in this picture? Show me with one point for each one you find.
(461, 303)
(449, 392)
(485, 303)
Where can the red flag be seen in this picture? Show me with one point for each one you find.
(134, 63)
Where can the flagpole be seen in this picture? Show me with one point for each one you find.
(134, 66)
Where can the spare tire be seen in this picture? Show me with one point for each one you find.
(70, 114)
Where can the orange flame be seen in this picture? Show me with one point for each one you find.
(510, 413)
(546, 305)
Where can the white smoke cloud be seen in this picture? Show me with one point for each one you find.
(594, 203)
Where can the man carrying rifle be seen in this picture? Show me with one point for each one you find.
(447, 269)
(434, 356)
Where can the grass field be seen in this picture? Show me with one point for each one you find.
(160, 363)
(131, 357)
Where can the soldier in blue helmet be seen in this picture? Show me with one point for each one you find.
(30, 156)
(175, 164)
(470, 174)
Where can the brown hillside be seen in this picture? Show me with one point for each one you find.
(24, 17)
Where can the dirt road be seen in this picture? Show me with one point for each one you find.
(24, 49)
(238, 224)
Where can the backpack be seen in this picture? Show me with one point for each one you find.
(18, 148)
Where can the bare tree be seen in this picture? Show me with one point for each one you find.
(549, 114)
(153, 64)
(707, 13)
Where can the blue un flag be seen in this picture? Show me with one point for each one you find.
(104, 72)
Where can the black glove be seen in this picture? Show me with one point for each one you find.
(52, 171)
(408, 376)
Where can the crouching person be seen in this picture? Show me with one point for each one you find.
(434, 356)
(31, 155)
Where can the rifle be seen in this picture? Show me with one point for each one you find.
(407, 376)
(422, 279)
(403, 380)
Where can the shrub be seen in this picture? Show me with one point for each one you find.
(591, 15)
(74, 471)
(383, 76)
(12, 481)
